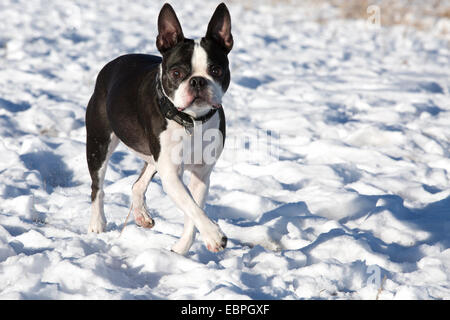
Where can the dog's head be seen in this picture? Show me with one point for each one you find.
(195, 74)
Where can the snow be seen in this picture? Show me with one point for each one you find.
(334, 182)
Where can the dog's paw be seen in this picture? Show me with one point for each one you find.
(97, 226)
(214, 238)
(142, 218)
(218, 246)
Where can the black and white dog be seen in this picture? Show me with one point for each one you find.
(150, 103)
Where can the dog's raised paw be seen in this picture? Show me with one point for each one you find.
(218, 247)
(216, 243)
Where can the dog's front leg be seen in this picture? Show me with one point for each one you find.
(198, 187)
(186, 240)
(212, 236)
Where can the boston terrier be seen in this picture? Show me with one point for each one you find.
(151, 104)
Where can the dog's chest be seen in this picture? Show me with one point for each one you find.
(199, 145)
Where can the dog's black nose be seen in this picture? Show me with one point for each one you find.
(197, 82)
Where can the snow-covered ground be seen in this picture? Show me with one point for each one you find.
(334, 183)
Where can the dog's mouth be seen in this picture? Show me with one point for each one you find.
(199, 101)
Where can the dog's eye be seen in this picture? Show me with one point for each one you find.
(176, 73)
(216, 71)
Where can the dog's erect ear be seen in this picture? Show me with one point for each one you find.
(219, 28)
(169, 29)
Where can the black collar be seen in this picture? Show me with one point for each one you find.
(171, 112)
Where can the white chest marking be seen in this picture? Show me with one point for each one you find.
(204, 146)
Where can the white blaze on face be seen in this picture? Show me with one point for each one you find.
(183, 96)
(200, 62)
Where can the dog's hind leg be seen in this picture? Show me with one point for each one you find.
(140, 211)
(100, 144)
(97, 167)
